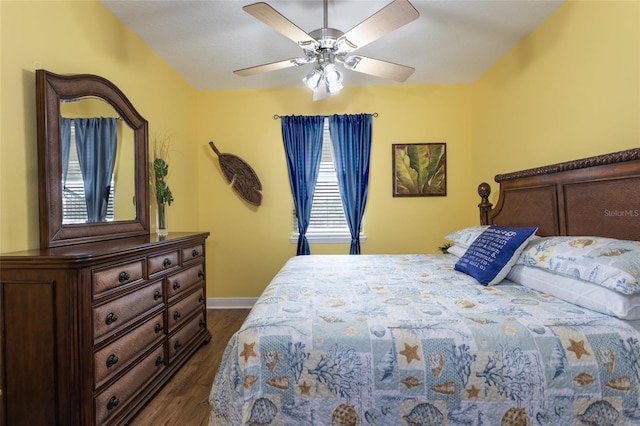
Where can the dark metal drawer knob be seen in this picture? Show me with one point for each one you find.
(177, 345)
(111, 318)
(158, 328)
(176, 285)
(200, 299)
(113, 402)
(195, 253)
(200, 274)
(201, 323)
(176, 315)
(157, 295)
(112, 360)
(159, 361)
(124, 276)
(166, 262)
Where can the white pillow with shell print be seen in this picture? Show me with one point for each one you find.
(457, 250)
(608, 262)
(465, 237)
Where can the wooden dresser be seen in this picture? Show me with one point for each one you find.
(90, 332)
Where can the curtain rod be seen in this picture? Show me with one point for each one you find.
(73, 118)
(276, 116)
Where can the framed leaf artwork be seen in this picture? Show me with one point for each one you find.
(419, 170)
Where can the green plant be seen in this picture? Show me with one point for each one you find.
(420, 169)
(443, 248)
(161, 170)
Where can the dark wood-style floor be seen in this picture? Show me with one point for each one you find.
(184, 399)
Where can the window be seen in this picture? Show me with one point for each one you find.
(74, 207)
(328, 223)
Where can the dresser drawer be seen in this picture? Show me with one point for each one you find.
(192, 253)
(115, 314)
(179, 341)
(163, 262)
(120, 353)
(183, 309)
(182, 281)
(118, 395)
(115, 276)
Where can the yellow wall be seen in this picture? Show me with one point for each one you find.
(571, 89)
(70, 37)
(568, 90)
(248, 244)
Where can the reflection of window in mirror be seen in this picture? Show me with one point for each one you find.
(121, 197)
(74, 206)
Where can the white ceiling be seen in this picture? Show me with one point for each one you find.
(453, 41)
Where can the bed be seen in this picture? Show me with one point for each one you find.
(551, 337)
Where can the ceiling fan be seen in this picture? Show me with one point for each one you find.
(326, 46)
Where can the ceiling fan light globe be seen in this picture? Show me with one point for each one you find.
(334, 87)
(310, 55)
(333, 78)
(332, 74)
(313, 79)
(340, 57)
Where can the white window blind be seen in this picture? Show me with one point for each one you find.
(328, 222)
(74, 207)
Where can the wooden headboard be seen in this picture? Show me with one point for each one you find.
(591, 196)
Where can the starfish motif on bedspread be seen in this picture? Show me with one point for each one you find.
(248, 351)
(304, 388)
(410, 352)
(577, 348)
(473, 392)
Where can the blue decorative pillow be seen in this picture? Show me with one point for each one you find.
(492, 255)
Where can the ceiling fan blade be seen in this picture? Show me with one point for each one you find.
(265, 13)
(273, 66)
(378, 68)
(391, 17)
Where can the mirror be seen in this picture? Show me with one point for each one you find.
(92, 160)
(120, 198)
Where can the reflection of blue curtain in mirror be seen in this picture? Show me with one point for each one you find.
(96, 142)
(65, 143)
(351, 144)
(302, 137)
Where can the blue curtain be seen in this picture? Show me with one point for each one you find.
(351, 145)
(302, 137)
(65, 143)
(96, 143)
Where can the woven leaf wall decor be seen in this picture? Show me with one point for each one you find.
(241, 176)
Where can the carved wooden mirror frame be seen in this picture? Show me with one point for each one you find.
(51, 89)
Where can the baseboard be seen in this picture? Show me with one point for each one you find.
(230, 302)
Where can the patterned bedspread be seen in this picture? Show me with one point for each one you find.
(405, 339)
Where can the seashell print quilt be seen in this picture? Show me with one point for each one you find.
(406, 340)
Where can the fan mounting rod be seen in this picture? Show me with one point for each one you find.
(325, 9)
